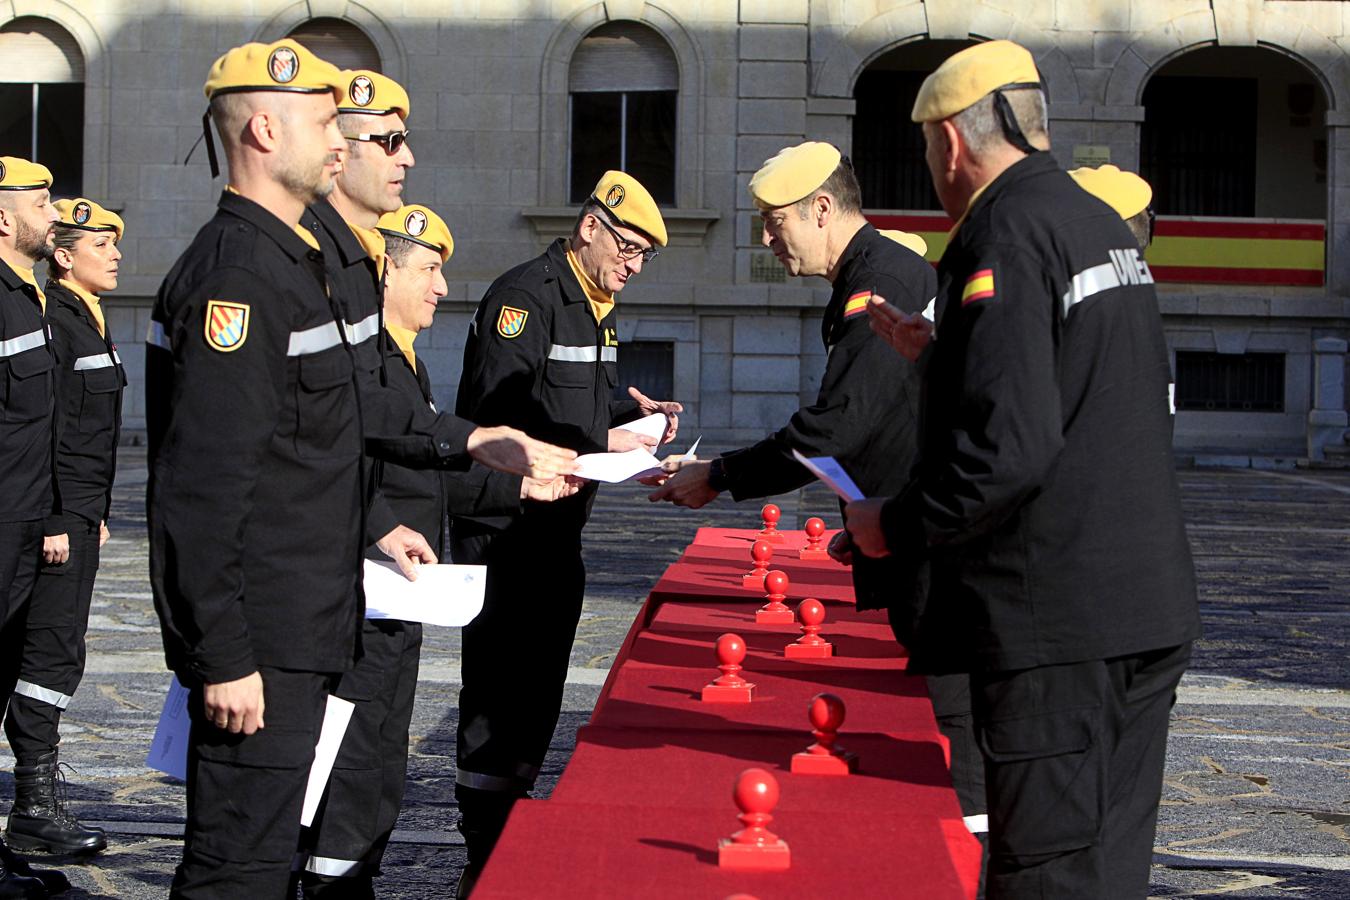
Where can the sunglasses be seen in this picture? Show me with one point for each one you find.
(628, 249)
(390, 141)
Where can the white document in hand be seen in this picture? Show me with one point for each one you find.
(613, 468)
(441, 595)
(168, 748)
(828, 470)
(336, 717)
(653, 426)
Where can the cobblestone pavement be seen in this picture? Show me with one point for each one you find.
(1257, 797)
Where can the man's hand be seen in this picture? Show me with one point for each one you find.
(621, 440)
(907, 333)
(841, 549)
(862, 519)
(55, 549)
(103, 533)
(669, 466)
(647, 406)
(548, 490)
(406, 547)
(235, 706)
(688, 487)
(508, 450)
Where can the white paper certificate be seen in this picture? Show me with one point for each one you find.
(828, 470)
(441, 595)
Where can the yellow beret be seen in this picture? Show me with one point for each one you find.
(283, 66)
(87, 215)
(907, 239)
(965, 77)
(21, 175)
(1125, 192)
(420, 225)
(793, 173)
(373, 93)
(629, 204)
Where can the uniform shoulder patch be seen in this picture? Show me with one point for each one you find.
(511, 321)
(226, 325)
(857, 303)
(979, 286)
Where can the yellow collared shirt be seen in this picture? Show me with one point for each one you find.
(27, 275)
(404, 338)
(91, 301)
(372, 241)
(601, 301)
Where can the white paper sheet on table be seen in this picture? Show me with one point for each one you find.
(336, 716)
(168, 748)
(441, 595)
(828, 470)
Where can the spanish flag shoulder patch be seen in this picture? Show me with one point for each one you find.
(979, 286)
(856, 304)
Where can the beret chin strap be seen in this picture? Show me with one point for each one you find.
(1007, 120)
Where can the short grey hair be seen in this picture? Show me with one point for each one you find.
(397, 249)
(980, 127)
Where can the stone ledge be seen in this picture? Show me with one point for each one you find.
(685, 227)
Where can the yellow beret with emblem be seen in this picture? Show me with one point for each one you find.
(629, 204)
(965, 77)
(21, 175)
(373, 93)
(420, 225)
(87, 215)
(906, 239)
(1125, 192)
(793, 173)
(285, 65)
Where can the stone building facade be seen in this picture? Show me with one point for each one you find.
(1242, 108)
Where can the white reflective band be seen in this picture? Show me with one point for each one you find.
(29, 341)
(1088, 282)
(155, 336)
(572, 354)
(366, 328)
(977, 824)
(480, 782)
(1172, 397)
(609, 354)
(334, 868)
(314, 340)
(38, 692)
(101, 361)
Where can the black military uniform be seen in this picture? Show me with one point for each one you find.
(537, 360)
(90, 379)
(1048, 506)
(257, 517)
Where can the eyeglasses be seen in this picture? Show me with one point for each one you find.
(390, 141)
(629, 249)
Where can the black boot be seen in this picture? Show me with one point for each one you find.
(14, 886)
(39, 820)
(54, 880)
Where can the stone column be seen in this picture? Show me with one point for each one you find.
(1327, 419)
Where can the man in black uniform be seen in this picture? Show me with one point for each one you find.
(256, 495)
(865, 412)
(89, 380)
(542, 355)
(27, 386)
(1045, 499)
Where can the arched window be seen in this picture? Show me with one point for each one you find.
(42, 99)
(340, 42)
(888, 149)
(623, 83)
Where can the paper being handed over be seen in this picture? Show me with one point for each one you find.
(828, 470)
(441, 595)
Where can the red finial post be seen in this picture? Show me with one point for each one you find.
(754, 848)
(810, 645)
(824, 757)
(729, 687)
(770, 515)
(815, 540)
(775, 612)
(761, 554)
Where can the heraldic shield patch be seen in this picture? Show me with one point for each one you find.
(226, 325)
(511, 321)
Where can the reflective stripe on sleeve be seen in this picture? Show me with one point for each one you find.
(38, 692)
(100, 361)
(363, 330)
(333, 868)
(156, 336)
(30, 341)
(1088, 282)
(564, 353)
(314, 340)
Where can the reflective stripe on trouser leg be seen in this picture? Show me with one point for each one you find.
(333, 868)
(38, 692)
(480, 781)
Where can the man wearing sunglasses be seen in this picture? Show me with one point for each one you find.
(542, 356)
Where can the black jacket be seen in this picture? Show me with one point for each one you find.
(553, 378)
(865, 413)
(27, 388)
(257, 484)
(1046, 497)
(89, 383)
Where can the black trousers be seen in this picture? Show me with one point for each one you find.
(53, 645)
(514, 669)
(244, 794)
(20, 554)
(365, 792)
(1074, 766)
